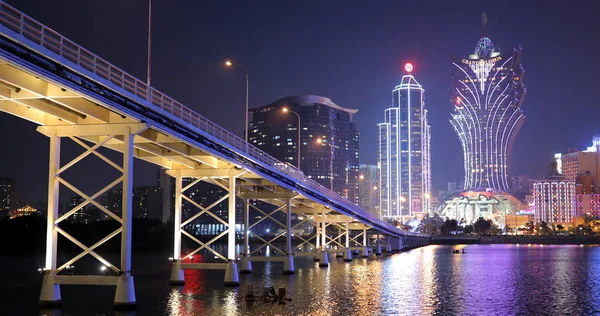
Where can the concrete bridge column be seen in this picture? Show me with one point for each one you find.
(288, 263)
(366, 247)
(378, 249)
(323, 256)
(231, 271)
(125, 292)
(317, 240)
(348, 252)
(389, 245)
(177, 276)
(50, 294)
(245, 263)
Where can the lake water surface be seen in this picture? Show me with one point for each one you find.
(485, 280)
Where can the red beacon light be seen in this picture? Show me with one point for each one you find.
(408, 67)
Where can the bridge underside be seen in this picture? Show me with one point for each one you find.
(72, 103)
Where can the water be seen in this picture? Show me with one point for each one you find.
(486, 280)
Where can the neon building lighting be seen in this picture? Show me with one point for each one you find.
(403, 155)
(487, 94)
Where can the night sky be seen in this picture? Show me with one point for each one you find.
(352, 52)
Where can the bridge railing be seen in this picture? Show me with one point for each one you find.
(60, 45)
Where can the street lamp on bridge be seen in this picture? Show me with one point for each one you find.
(320, 141)
(230, 63)
(299, 141)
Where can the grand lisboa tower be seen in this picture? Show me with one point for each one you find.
(487, 94)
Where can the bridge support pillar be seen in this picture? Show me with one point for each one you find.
(99, 135)
(323, 259)
(231, 272)
(348, 252)
(245, 263)
(177, 276)
(288, 263)
(317, 240)
(389, 245)
(125, 293)
(50, 293)
(365, 253)
(339, 254)
(324, 230)
(378, 248)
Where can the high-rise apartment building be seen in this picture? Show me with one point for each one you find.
(147, 202)
(7, 194)
(554, 198)
(403, 153)
(575, 163)
(328, 143)
(554, 201)
(367, 188)
(487, 94)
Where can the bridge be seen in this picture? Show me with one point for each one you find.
(71, 93)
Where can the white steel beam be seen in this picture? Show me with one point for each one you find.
(246, 223)
(27, 113)
(177, 217)
(53, 191)
(93, 129)
(51, 108)
(288, 222)
(86, 107)
(126, 199)
(209, 173)
(267, 195)
(231, 216)
(323, 229)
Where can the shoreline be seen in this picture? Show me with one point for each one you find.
(544, 240)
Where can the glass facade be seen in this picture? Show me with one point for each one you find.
(487, 94)
(403, 153)
(329, 140)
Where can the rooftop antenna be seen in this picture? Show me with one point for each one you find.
(484, 25)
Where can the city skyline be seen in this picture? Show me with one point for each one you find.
(344, 78)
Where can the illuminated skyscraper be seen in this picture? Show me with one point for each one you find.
(487, 94)
(403, 154)
(328, 144)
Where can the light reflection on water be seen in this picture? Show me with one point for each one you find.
(486, 280)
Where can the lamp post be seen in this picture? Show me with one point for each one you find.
(148, 89)
(320, 141)
(230, 63)
(298, 141)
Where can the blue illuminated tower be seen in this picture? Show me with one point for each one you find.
(403, 154)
